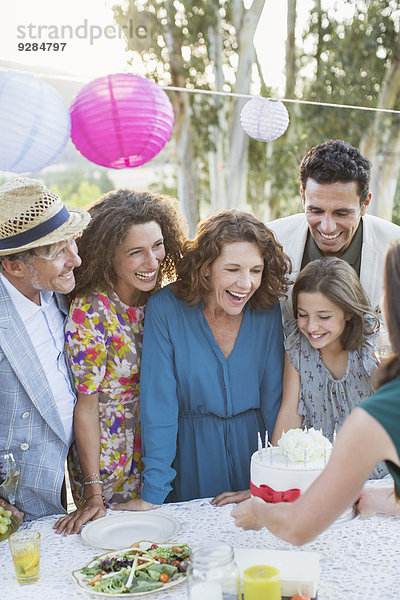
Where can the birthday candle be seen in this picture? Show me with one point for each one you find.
(305, 456)
(266, 438)
(259, 441)
(334, 436)
(287, 458)
(324, 454)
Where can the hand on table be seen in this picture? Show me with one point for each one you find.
(13, 509)
(230, 497)
(246, 514)
(93, 509)
(135, 504)
(379, 500)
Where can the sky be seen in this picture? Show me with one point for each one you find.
(95, 46)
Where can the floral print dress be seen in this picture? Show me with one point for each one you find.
(104, 346)
(325, 402)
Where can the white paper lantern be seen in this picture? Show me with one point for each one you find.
(264, 119)
(34, 123)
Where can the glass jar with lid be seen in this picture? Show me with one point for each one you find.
(213, 573)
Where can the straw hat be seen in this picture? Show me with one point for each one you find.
(31, 216)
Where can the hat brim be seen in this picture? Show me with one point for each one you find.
(77, 221)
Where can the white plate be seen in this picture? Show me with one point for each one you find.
(123, 530)
(82, 580)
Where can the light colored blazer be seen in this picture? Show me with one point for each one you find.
(30, 424)
(291, 232)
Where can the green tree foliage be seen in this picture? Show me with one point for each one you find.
(343, 61)
(175, 50)
(353, 56)
(78, 187)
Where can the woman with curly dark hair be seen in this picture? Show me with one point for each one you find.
(214, 340)
(132, 245)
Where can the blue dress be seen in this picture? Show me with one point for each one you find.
(201, 412)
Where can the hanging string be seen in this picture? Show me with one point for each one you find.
(293, 100)
(221, 93)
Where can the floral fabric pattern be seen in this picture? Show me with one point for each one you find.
(104, 346)
(325, 402)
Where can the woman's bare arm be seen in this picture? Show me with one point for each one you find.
(87, 439)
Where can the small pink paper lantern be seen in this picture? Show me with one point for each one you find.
(121, 120)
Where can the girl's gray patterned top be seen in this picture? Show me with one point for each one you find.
(325, 402)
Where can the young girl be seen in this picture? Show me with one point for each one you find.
(329, 349)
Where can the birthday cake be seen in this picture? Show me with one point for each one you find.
(282, 473)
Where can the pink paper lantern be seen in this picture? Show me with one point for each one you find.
(121, 120)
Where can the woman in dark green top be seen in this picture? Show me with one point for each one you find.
(370, 434)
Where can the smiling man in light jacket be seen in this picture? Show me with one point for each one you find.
(334, 179)
(38, 254)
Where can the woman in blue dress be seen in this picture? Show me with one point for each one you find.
(212, 362)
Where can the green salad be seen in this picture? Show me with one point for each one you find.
(137, 570)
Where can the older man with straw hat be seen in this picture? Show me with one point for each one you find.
(37, 256)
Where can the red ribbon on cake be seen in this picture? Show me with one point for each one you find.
(269, 495)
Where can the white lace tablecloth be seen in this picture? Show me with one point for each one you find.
(359, 559)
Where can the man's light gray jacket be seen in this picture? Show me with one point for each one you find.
(29, 421)
(291, 232)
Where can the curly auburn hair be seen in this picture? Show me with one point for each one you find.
(338, 281)
(336, 161)
(111, 218)
(212, 234)
(391, 367)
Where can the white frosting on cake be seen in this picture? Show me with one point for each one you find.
(304, 444)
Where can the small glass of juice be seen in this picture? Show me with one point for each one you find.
(25, 551)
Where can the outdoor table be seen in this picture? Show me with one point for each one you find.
(359, 559)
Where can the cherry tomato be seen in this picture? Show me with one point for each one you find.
(177, 549)
(164, 577)
(176, 563)
(153, 546)
(162, 560)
